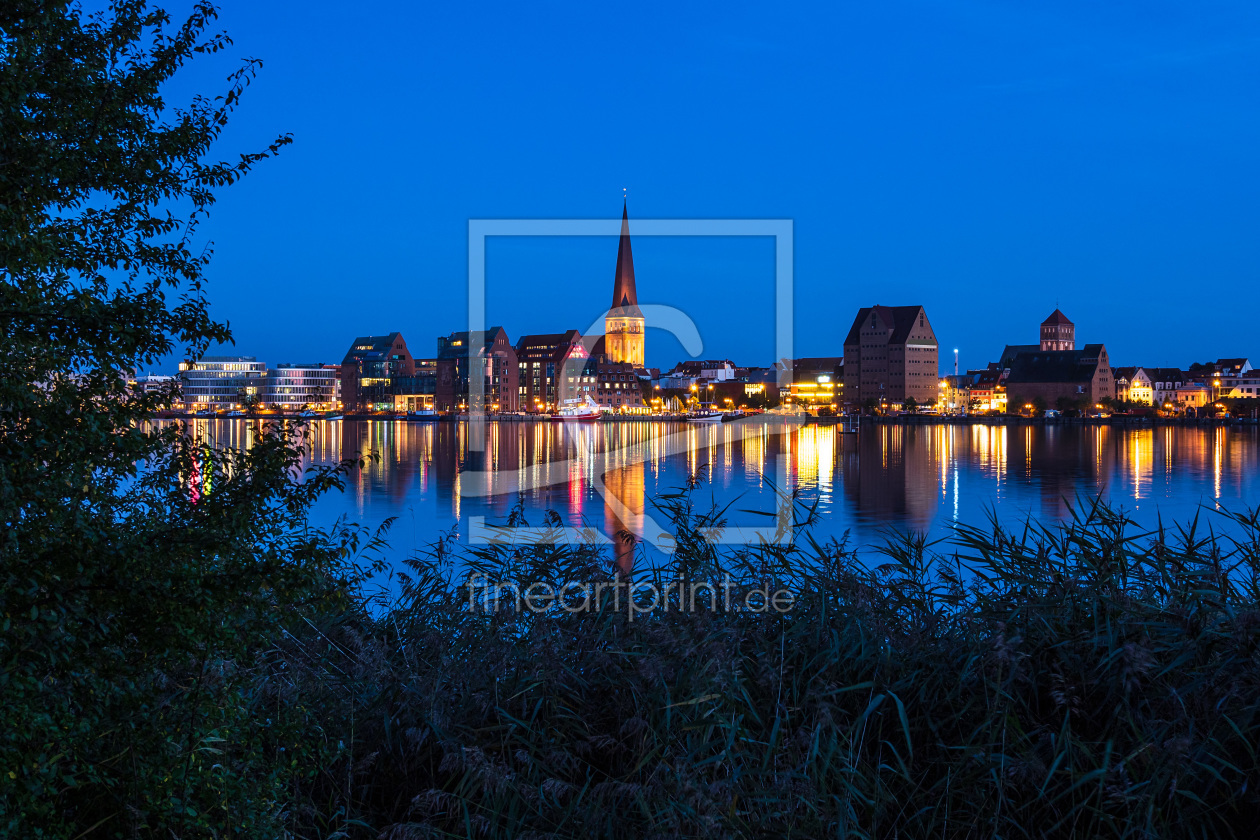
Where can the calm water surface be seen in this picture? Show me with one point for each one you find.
(434, 477)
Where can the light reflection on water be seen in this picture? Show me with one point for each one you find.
(903, 477)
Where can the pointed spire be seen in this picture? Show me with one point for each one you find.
(624, 294)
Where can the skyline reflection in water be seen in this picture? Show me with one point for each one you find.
(888, 476)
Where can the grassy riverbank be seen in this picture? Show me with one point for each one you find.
(1080, 681)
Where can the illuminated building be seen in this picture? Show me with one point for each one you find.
(987, 391)
(1058, 333)
(615, 386)
(1192, 395)
(419, 391)
(956, 393)
(1164, 385)
(290, 387)
(817, 381)
(1133, 384)
(1081, 378)
(369, 369)
(222, 382)
(1235, 378)
(1245, 385)
(890, 354)
(545, 366)
(494, 358)
(715, 370)
(1054, 371)
(623, 324)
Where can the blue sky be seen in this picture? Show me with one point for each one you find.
(986, 160)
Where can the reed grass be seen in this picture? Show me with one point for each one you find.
(1081, 679)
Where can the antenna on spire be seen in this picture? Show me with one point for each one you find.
(625, 194)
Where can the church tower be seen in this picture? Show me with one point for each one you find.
(1058, 333)
(623, 325)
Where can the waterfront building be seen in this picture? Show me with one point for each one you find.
(615, 386)
(1226, 374)
(713, 370)
(1231, 367)
(336, 369)
(955, 393)
(1010, 351)
(987, 392)
(761, 385)
(1192, 395)
(1061, 378)
(891, 353)
(1133, 384)
(1244, 385)
(817, 382)
(1058, 333)
(419, 391)
(222, 383)
(369, 369)
(153, 383)
(293, 387)
(623, 324)
(492, 357)
(1164, 385)
(548, 367)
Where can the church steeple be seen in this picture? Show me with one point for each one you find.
(624, 294)
(623, 325)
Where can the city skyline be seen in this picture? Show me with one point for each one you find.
(988, 163)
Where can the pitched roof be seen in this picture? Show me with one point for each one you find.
(456, 343)
(1166, 374)
(543, 339)
(1057, 318)
(370, 347)
(901, 320)
(818, 363)
(625, 299)
(1229, 365)
(1124, 372)
(1010, 351)
(1055, 365)
(539, 344)
(696, 367)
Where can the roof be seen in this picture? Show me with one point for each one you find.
(1055, 365)
(1057, 318)
(371, 347)
(990, 377)
(1010, 351)
(456, 344)
(1232, 365)
(1166, 374)
(547, 339)
(697, 366)
(536, 346)
(818, 362)
(1124, 372)
(625, 300)
(901, 320)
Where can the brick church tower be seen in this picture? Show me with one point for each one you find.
(1058, 333)
(623, 325)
